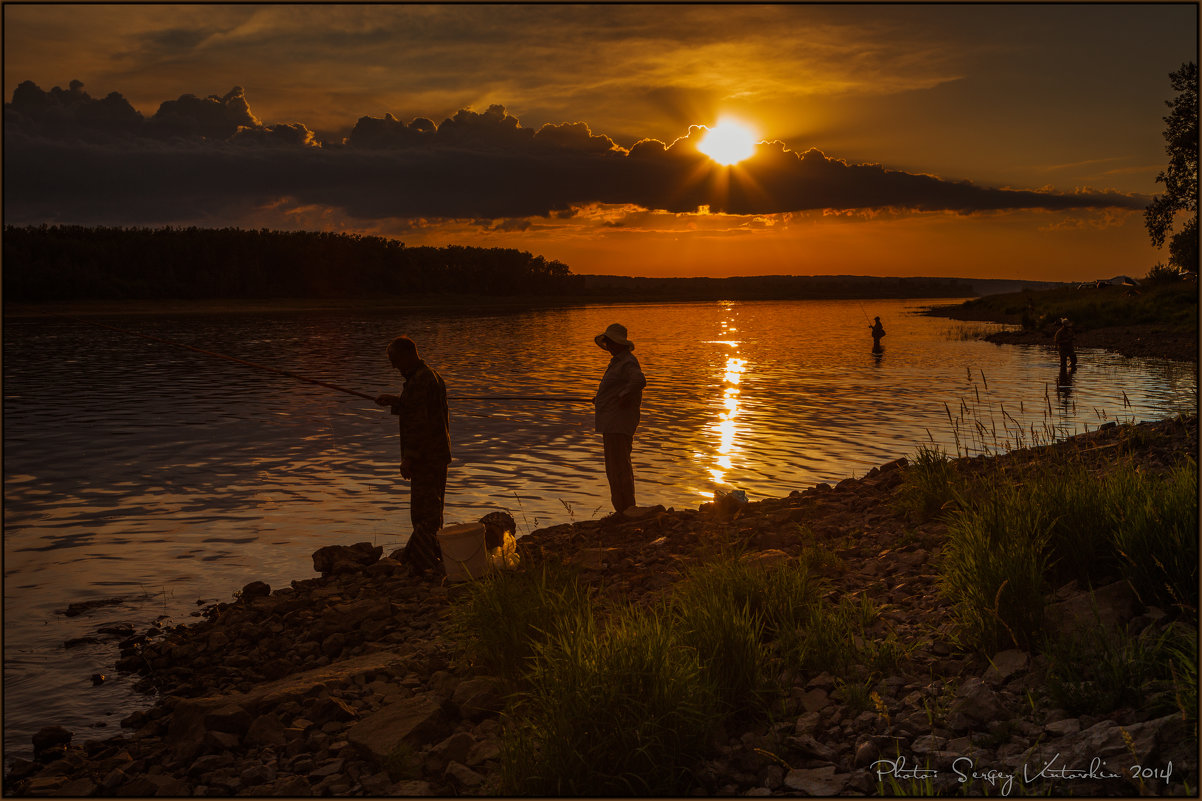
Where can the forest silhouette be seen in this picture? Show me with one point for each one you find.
(69, 263)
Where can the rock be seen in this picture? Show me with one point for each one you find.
(220, 741)
(867, 752)
(1110, 606)
(117, 629)
(385, 567)
(45, 785)
(477, 697)
(767, 559)
(231, 719)
(455, 748)
(411, 789)
(337, 559)
(293, 786)
(332, 646)
(79, 788)
(814, 700)
(483, 751)
(76, 609)
(257, 774)
(265, 730)
(977, 702)
(50, 737)
(1062, 728)
(1004, 665)
(165, 786)
(817, 781)
(592, 558)
(642, 512)
(411, 721)
(256, 589)
(326, 710)
(464, 776)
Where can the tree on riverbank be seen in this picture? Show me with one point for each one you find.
(1181, 177)
(74, 262)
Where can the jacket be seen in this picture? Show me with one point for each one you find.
(425, 419)
(620, 395)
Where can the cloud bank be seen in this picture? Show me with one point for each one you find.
(76, 159)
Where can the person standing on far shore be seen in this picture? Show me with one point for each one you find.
(877, 331)
(617, 402)
(425, 450)
(1065, 344)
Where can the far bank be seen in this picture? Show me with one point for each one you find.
(1157, 321)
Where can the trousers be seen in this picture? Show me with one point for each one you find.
(428, 489)
(618, 469)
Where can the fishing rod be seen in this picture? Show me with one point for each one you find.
(863, 312)
(326, 384)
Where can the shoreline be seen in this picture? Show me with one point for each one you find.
(1145, 340)
(351, 683)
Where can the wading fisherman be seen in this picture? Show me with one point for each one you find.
(877, 330)
(425, 450)
(1064, 339)
(617, 403)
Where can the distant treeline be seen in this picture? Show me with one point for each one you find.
(775, 287)
(59, 263)
(74, 263)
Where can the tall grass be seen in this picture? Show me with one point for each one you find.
(1100, 669)
(993, 568)
(1156, 534)
(624, 702)
(501, 618)
(619, 710)
(928, 483)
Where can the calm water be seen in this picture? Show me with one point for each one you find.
(136, 469)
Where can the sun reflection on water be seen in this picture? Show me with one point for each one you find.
(725, 426)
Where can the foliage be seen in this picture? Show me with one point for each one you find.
(72, 262)
(501, 618)
(1170, 305)
(1181, 176)
(928, 483)
(1100, 669)
(994, 566)
(728, 641)
(623, 710)
(1155, 531)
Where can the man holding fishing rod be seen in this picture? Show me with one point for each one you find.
(425, 450)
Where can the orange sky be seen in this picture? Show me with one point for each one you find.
(899, 139)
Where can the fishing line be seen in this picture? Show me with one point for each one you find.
(326, 384)
(275, 370)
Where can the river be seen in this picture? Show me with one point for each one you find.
(137, 470)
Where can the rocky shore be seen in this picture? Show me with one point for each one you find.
(351, 682)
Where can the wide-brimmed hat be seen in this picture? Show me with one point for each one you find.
(615, 333)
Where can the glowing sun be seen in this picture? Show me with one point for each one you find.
(728, 142)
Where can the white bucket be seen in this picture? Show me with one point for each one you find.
(464, 553)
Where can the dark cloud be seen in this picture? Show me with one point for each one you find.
(72, 158)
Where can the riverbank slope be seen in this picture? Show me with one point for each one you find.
(353, 682)
(1157, 321)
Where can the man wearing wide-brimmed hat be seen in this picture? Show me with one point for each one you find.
(618, 400)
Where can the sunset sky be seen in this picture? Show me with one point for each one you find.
(1008, 141)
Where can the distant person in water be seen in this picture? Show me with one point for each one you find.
(877, 330)
(617, 403)
(1065, 339)
(425, 450)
